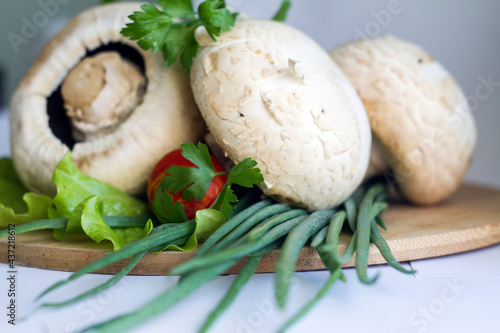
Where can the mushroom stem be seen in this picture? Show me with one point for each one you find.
(100, 92)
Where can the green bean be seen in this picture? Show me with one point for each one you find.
(330, 263)
(166, 233)
(130, 265)
(351, 248)
(351, 210)
(319, 237)
(238, 251)
(233, 222)
(334, 276)
(384, 249)
(125, 221)
(380, 222)
(162, 302)
(334, 229)
(273, 221)
(363, 229)
(296, 239)
(330, 246)
(245, 274)
(248, 224)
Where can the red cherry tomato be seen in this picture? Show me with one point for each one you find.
(175, 158)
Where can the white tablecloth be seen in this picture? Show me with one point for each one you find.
(457, 293)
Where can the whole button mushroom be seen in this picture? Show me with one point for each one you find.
(100, 96)
(269, 92)
(423, 129)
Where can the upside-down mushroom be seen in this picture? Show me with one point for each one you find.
(269, 92)
(423, 129)
(98, 94)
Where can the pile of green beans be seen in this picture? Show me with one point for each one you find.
(249, 235)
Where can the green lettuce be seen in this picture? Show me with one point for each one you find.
(73, 187)
(85, 200)
(87, 220)
(17, 205)
(207, 221)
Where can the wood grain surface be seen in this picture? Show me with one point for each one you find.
(469, 220)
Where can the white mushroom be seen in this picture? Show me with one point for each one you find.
(269, 92)
(421, 122)
(124, 118)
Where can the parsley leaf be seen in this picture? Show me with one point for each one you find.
(177, 8)
(181, 41)
(215, 17)
(171, 28)
(282, 13)
(149, 27)
(165, 209)
(244, 173)
(194, 182)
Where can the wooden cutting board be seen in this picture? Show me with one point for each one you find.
(469, 220)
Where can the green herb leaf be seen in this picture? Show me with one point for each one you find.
(193, 182)
(180, 41)
(155, 29)
(215, 17)
(227, 197)
(282, 13)
(177, 8)
(245, 174)
(149, 27)
(164, 207)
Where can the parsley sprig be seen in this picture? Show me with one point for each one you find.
(170, 29)
(194, 182)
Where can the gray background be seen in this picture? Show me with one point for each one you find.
(464, 35)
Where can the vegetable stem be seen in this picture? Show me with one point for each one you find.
(164, 234)
(162, 302)
(296, 239)
(125, 221)
(334, 276)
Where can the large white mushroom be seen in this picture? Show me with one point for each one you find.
(422, 126)
(269, 92)
(98, 94)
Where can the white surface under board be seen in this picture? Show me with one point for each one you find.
(458, 293)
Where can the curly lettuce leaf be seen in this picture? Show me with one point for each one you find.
(73, 187)
(17, 205)
(87, 220)
(38, 207)
(207, 221)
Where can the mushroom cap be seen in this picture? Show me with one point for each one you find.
(166, 117)
(269, 92)
(419, 116)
